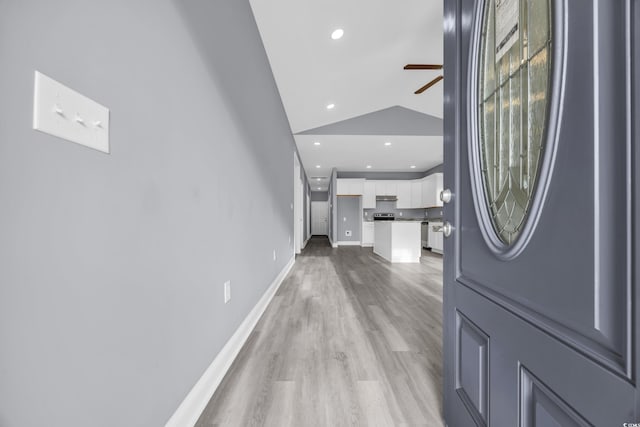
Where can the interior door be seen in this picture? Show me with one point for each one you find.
(540, 157)
(319, 218)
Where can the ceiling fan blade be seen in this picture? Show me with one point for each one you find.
(428, 85)
(423, 67)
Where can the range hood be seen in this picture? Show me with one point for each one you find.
(386, 198)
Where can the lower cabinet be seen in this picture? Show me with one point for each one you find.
(368, 235)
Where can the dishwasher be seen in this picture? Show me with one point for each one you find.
(424, 234)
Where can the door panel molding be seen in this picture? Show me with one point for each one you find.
(472, 385)
(577, 380)
(539, 404)
(614, 362)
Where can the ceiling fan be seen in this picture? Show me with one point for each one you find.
(425, 67)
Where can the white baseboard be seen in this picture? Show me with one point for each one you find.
(304, 245)
(367, 245)
(349, 243)
(193, 405)
(333, 245)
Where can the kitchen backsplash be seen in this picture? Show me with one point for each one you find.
(390, 207)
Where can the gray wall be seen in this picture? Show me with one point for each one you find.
(349, 218)
(306, 214)
(434, 213)
(319, 196)
(387, 206)
(307, 210)
(112, 266)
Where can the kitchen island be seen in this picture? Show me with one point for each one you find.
(398, 241)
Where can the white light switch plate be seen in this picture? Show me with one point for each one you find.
(63, 112)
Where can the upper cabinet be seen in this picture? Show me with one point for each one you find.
(431, 188)
(350, 187)
(386, 188)
(416, 194)
(369, 195)
(404, 195)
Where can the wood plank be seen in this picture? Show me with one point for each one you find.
(349, 339)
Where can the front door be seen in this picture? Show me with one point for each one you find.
(319, 218)
(540, 135)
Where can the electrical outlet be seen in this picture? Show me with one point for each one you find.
(347, 233)
(400, 213)
(227, 291)
(274, 254)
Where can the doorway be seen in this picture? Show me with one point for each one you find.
(298, 200)
(319, 218)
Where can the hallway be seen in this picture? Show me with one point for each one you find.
(349, 339)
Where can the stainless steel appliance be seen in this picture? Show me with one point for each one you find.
(424, 235)
(384, 217)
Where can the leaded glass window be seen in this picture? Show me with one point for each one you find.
(513, 96)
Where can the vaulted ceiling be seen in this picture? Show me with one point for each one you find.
(362, 75)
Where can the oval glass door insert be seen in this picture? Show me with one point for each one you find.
(513, 97)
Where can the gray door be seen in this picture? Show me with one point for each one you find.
(319, 218)
(540, 267)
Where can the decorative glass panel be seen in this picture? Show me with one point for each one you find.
(514, 87)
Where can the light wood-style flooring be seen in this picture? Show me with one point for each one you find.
(348, 340)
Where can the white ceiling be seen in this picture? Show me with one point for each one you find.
(360, 73)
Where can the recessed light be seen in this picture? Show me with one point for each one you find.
(317, 166)
(319, 188)
(320, 179)
(331, 106)
(387, 143)
(337, 34)
(413, 166)
(316, 143)
(368, 166)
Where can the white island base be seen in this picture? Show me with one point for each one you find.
(398, 241)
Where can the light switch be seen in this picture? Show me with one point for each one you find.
(63, 112)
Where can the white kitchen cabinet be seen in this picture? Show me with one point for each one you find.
(350, 187)
(404, 194)
(369, 195)
(342, 187)
(431, 188)
(386, 188)
(368, 233)
(416, 193)
(391, 188)
(436, 237)
(379, 187)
